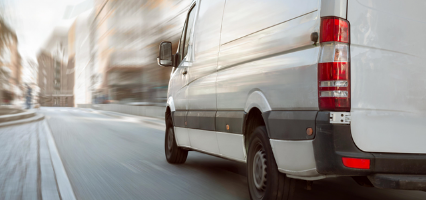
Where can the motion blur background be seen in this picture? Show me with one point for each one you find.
(72, 52)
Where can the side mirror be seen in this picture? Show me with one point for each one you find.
(165, 58)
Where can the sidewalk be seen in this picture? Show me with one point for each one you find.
(27, 163)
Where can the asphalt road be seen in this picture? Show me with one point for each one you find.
(116, 157)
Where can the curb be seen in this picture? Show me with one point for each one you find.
(35, 117)
(12, 117)
(63, 183)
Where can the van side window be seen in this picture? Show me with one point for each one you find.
(183, 43)
(188, 35)
(182, 39)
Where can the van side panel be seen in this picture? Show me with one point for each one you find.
(178, 90)
(388, 51)
(207, 38)
(243, 17)
(280, 61)
(202, 73)
(288, 82)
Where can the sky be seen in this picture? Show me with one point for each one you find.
(33, 22)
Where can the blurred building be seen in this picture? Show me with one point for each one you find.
(29, 71)
(30, 77)
(126, 35)
(10, 66)
(56, 72)
(79, 49)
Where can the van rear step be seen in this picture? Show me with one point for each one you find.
(399, 181)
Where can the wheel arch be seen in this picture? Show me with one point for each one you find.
(256, 99)
(170, 108)
(171, 104)
(252, 119)
(256, 106)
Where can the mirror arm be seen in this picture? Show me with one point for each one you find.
(175, 60)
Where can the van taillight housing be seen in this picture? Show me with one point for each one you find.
(334, 29)
(334, 92)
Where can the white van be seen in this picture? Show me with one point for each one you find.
(302, 89)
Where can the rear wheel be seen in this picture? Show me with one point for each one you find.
(174, 154)
(265, 181)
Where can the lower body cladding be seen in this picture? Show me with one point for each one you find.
(220, 133)
(296, 159)
(292, 146)
(330, 151)
(211, 132)
(227, 145)
(231, 146)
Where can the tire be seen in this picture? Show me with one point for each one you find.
(264, 180)
(174, 154)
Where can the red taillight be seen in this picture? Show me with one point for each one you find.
(356, 163)
(334, 86)
(334, 29)
(333, 71)
(334, 66)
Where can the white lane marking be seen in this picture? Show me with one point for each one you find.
(64, 184)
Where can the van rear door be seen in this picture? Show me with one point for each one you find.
(388, 75)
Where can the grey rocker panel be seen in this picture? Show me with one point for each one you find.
(210, 120)
(204, 120)
(233, 119)
(281, 125)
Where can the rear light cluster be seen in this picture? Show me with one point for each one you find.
(334, 65)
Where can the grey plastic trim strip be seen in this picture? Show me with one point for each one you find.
(281, 125)
(204, 120)
(233, 119)
(210, 120)
(179, 118)
(290, 125)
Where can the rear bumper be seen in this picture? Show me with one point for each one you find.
(333, 141)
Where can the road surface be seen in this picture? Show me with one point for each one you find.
(110, 156)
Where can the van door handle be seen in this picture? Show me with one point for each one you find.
(185, 72)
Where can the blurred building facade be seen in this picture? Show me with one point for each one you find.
(10, 66)
(30, 77)
(114, 49)
(79, 50)
(125, 36)
(56, 72)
